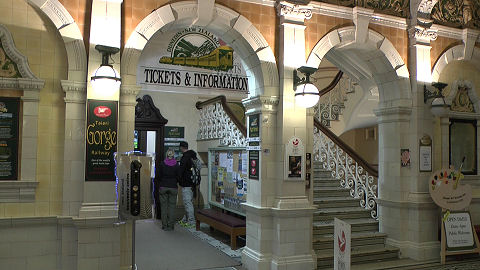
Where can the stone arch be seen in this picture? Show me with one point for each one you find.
(453, 54)
(385, 66)
(234, 29)
(71, 35)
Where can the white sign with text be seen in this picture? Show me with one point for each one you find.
(342, 242)
(458, 229)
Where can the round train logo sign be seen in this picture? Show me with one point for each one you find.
(194, 58)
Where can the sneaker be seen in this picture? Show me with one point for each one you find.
(188, 225)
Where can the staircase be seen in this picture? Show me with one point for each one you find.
(332, 200)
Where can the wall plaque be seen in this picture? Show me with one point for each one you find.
(294, 163)
(9, 138)
(101, 136)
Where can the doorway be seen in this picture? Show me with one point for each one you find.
(149, 136)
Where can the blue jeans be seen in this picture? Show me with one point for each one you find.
(187, 194)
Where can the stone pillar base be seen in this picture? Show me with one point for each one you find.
(299, 262)
(252, 259)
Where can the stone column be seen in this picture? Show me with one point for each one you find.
(407, 214)
(128, 96)
(74, 153)
(279, 215)
(257, 253)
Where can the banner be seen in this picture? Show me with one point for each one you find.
(101, 137)
(192, 58)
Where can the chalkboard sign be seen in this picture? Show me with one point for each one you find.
(101, 140)
(9, 139)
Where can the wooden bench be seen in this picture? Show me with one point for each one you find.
(222, 222)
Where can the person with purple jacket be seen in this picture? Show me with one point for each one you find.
(168, 178)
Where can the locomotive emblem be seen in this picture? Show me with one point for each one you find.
(196, 47)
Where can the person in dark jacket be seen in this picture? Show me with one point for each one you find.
(186, 183)
(168, 173)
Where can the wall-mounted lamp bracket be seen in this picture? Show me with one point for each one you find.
(437, 93)
(305, 70)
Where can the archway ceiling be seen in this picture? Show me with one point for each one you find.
(361, 62)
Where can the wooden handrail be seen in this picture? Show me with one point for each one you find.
(332, 84)
(223, 100)
(369, 168)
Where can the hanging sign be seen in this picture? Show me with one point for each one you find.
(9, 138)
(101, 137)
(342, 245)
(447, 192)
(173, 136)
(192, 58)
(294, 165)
(253, 164)
(254, 126)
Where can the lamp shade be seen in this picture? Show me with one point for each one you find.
(306, 95)
(105, 79)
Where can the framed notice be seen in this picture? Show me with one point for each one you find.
(253, 164)
(425, 152)
(342, 245)
(294, 162)
(101, 140)
(9, 138)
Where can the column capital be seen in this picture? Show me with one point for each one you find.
(128, 94)
(75, 92)
(261, 104)
(393, 114)
(293, 12)
(423, 35)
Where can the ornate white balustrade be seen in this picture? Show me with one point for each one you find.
(350, 173)
(331, 104)
(215, 123)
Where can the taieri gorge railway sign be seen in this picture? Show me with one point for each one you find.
(193, 58)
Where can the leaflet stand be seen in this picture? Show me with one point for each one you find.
(444, 252)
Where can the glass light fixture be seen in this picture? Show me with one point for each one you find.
(306, 93)
(106, 78)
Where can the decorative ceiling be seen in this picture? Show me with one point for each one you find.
(457, 13)
(390, 7)
(452, 13)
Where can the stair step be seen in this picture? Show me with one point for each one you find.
(330, 192)
(330, 202)
(322, 228)
(359, 255)
(326, 182)
(341, 213)
(359, 239)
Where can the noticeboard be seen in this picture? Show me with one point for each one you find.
(228, 174)
(101, 140)
(9, 138)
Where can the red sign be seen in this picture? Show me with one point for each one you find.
(102, 111)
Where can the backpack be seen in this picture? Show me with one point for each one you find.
(196, 167)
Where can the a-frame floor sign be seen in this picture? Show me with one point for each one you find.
(458, 235)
